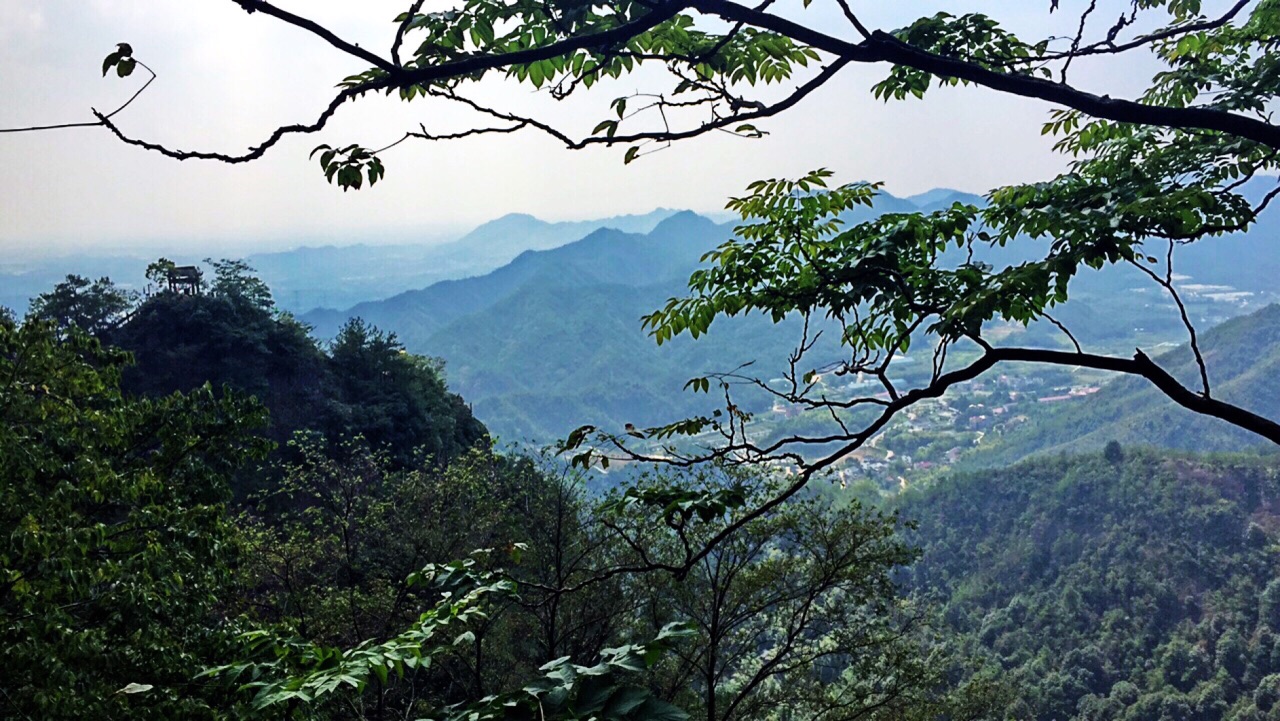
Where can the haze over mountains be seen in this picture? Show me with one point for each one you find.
(553, 339)
(539, 322)
(339, 275)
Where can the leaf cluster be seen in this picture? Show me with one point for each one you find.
(349, 165)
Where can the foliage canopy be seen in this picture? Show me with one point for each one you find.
(1146, 174)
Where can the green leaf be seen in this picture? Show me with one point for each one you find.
(624, 701)
(657, 710)
(110, 62)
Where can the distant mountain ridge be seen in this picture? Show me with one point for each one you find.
(940, 197)
(338, 276)
(553, 339)
(604, 256)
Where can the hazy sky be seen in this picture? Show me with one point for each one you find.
(227, 78)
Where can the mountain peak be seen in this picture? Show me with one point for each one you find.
(682, 221)
(508, 221)
(523, 217)
(940, 197)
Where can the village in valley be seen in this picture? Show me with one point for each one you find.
(937, 433)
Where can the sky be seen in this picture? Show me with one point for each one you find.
(228, 78)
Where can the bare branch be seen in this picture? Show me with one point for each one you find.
(1065, 331)
(1167, 283)
(1109, 47)
(96, 123)
(311, 26)
(853, 19)
(254, 152)
(1075, 42)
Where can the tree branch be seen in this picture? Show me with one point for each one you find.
(404, 27)
(1109, 47)
(482, 62)
(883, 47)
(254, 152)
(96, 123)
(311, 26)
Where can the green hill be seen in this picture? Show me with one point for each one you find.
(566, 347)
(1133, 589)
(604, 256)
(1243, 357)
(363, 383)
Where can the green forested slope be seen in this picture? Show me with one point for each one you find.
(556, 354)
(363, 383)
(1243, 358)
(1132, 589)
(604, 256)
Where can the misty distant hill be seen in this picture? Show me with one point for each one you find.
(335, 275)
(943, 197)
(553, 339)
(604, 256)
(340, 276)
(20, 282)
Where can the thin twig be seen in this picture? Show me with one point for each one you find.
(96, 123)
(1065, 331)
(400, 32)
(853, 19)
(311, 26)
(1167, 283)
(1075, 42)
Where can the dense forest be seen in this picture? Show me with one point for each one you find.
(324, 530)
(1133, 584)
(210, 514)
(941, 458)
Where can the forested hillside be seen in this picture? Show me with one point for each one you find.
(359, 584)
(235, 340)
(1135, 586)
(1244, 355)
(553, 340)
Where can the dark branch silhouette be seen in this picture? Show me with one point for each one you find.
(876, 47)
